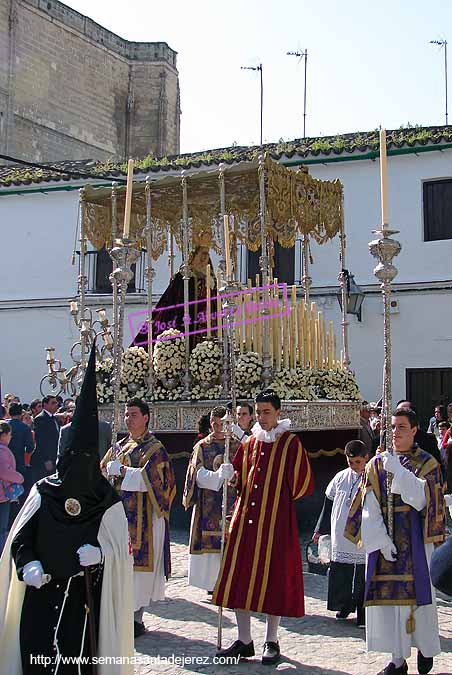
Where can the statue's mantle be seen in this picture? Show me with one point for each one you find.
(183, 416)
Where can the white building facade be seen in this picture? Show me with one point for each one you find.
(39, 221)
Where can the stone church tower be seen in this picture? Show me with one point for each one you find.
(70, 89)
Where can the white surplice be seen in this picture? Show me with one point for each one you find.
(386, 624)
(203, 568)
(148, 586)
(341, 490)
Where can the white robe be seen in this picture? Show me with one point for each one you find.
(116, 611)
(203, 568)
(386, 625)
(342, 490)
(148, 586)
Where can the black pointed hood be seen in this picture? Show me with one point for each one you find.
(84, 431)
(78, 479)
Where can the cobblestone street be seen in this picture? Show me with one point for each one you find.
(185, 625)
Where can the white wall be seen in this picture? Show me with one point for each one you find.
(37, 235)
(422, 330)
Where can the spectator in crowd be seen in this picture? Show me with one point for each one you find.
(443, 427)
(36, 406)
(203, 427)
(366, 434)
(21, 442)
(245, 417)
(47, 431)
(440, 415)
(69, 404)
(8, 477)
(447, 435)
(2, 411)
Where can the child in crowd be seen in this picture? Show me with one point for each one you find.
(348, 563)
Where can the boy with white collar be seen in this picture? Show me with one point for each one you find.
(261, 572)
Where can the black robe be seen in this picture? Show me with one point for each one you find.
(55, 545)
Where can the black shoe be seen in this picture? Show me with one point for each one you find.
(238, 648)
(138, 629)
(392, 670)
(424, 663)
(342, 615)
(271, 653)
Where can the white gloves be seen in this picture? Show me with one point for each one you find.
(114, 468)
(33, 574)
(89, 555)
(448, 500)
(226, 471)
(238, 432)
(391, 463)
(389, 552)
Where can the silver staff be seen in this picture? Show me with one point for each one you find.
(229, 306)
(384, 249)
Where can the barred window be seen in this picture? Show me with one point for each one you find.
(437, 198)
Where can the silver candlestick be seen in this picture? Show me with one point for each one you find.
(385, 249)
(124, 255)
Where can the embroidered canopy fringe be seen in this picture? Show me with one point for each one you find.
(296, 204)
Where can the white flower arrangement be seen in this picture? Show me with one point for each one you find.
(290, 383)
(160, 393)
(104, 386)
(199, 393)
(134, 365)
(169, 354)
(337, 385)
(248, 373)
(205, 362)
(308, 384)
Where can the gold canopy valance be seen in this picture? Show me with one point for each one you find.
(296, 203)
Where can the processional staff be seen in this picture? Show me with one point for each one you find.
(123, 254)
(385, 249)
(229, 306)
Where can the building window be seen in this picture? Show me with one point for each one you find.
(98, 267)
(437, 197)
(284, 264)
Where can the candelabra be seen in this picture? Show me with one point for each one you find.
(59, 380)
(384, 249)
(124, 255)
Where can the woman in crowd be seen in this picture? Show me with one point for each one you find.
(8, 478)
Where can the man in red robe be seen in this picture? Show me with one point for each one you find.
(261, 567)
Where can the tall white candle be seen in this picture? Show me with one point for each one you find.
(128, 206)
(383, 178)
(227, 249)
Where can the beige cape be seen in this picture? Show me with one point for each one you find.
(116, 610)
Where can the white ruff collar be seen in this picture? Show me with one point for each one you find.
(270, 436)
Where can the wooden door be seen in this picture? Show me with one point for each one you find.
(427, 388)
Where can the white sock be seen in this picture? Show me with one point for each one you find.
(397, 661)
(244, 625)
(138, 615)
(271, 634)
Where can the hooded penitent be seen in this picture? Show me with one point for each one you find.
(77, 495)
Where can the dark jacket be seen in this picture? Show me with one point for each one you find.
(47, 431)
(21, 442)
(428, 443)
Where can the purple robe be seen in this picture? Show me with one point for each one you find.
(405, 581)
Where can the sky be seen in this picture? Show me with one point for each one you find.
(369, 64)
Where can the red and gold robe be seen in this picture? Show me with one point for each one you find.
(261, 568)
